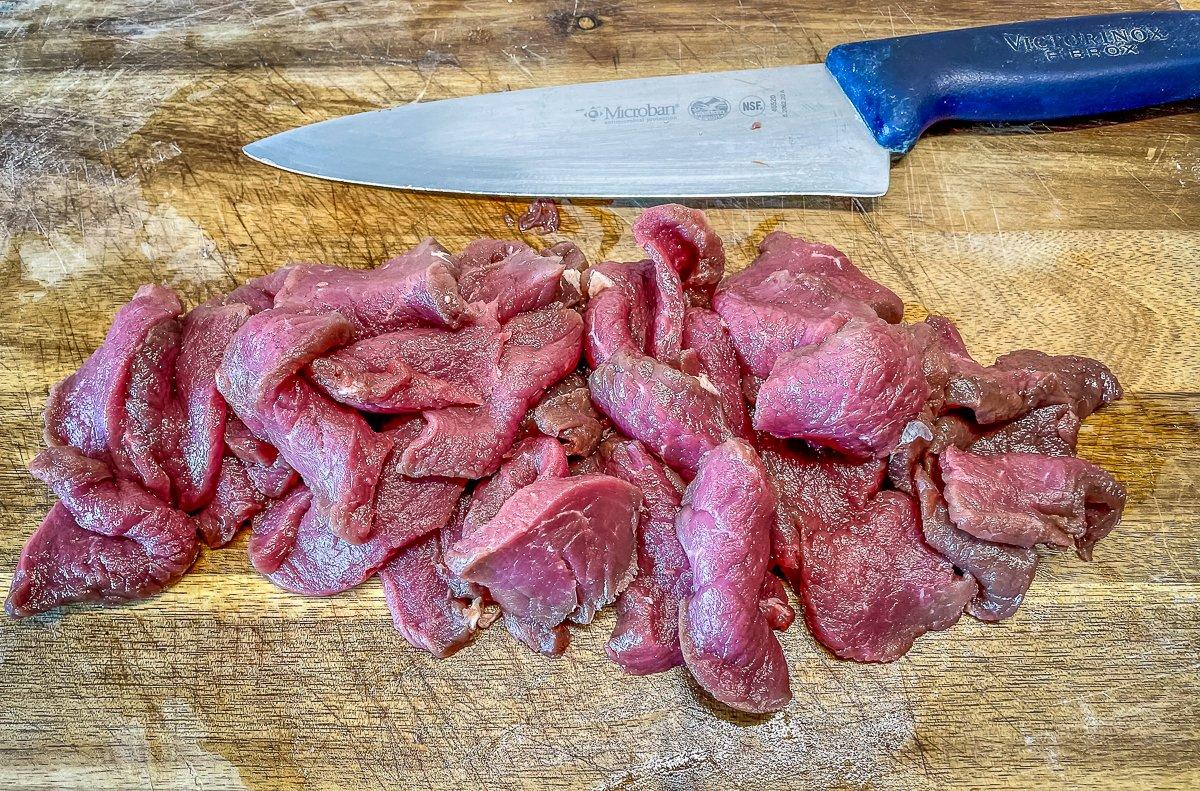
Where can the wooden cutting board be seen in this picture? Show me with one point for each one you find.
(120, 124)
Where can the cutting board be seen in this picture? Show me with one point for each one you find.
(120, 124)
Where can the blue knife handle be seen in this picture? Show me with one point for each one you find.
(1024, 71)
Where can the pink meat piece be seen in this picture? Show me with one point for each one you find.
(665, 337)
(618, 313)
(149, 448)
(855, 392)
(510, 275)
(783, 252)
(815, 487)
(1048, 430)
(207, 331)
(87, 410)
(1081, 383)
(106, 540)
(417, 287)
(309, 557)
(235, 502)
(276, 530)
(558, 549)
(269, 472)
(871, 586)
(414, 369)
(571, 285)
(566, 413)
(682, 239)
(1025, 499)
(541, 216)
(424, 609)
(725, 530)
(671, 412)
(1003, 572)
(705, 335)
(332, 448)
(646, 636)
(469, 442)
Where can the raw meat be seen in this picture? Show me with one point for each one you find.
(417, 287)
(1025, 499)
(674, 414)
(541, 216)
(566, 413)
(704, 335)
(646, 636)
(855, 392)
(682, 239)
(331, 446)
(558, 549)
(1003, 572)
(207, 331)
(510, 275)
(149, 444)
(87, 409)
(106, 540)
(415, 369)
(235, 502)
(870, 584)
(1081, 383)
(618, 314)
(269, 472)
(725, 530)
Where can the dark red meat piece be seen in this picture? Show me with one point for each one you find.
(235, 502)
(333, 449)
(646, 636)
(207, 331)
(106, 541)
(269, 472)
(1081, 383)
(871, 585)
(510, 275)
(618, 313)
(704, 335)
(855, 392)
(540, 216)
(566, 413)
(1003, 572)
(469, 442)
(1025, 499)
(682, 239)
(725, 530)
(414, 369)
(671, 412)
(87, 410)
(558, 549)
(417, 287)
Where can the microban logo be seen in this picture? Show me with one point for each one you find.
(709, 109)
(622, 113)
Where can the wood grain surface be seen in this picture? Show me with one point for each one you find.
(120, 128)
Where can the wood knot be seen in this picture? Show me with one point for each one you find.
(586, 22)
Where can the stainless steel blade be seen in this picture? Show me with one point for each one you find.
(784, 131)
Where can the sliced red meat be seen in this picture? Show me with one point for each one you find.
(646, 636)
(315, 561)
(566, 413)
(704, 334)
(269, 472)
(469, 442)
(1025, 499)
(510, 275)
(571, 286)
(725, 530)
(1081, 383)
(815, 487)
(1003, 572)
(541, 216)
(106, 541)
(424, 609)
(231, 508)
(681, 238)
(855, 392)
(333, 449)
(149, 444)
(673, 413)
(1049, 430)
(86, 410)
(871, 586)
(417, 287)
(558, 549)
(414, 369)
(618, 313)
(531, 460)
(665, 336)
(207, 331)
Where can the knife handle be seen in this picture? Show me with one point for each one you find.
(1024, 71)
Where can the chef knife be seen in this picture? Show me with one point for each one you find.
(815, 129)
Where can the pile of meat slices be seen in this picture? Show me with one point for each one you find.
(509, 434)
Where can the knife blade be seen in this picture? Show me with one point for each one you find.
(812, 129)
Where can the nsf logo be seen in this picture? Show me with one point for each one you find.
(709, 109)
